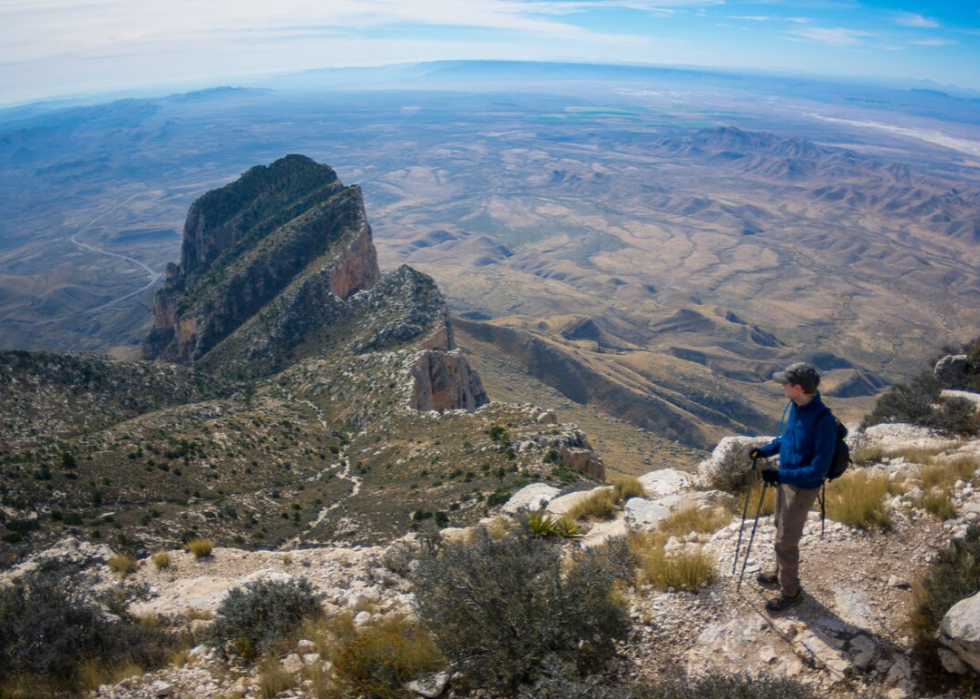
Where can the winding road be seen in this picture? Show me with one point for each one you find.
(154, 276)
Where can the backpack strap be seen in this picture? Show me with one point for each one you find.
(823, 506)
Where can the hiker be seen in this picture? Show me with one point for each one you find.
(806, 450)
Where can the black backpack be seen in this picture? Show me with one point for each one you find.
(839, 464)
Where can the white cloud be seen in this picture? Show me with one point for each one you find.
(753, 18)
(837, 36)
(935, 42)
(911, 19)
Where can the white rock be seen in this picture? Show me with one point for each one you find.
(960, 630)
(729, 463)
(604, 530)
(305, 646)
(952, 662)
(644, 515)
(362, 618)
(863, 651)
(668, 481)
(201, 652)
(531, 497)
(430, 686)
(292, 663)
(895, 581)
(161, 689)
(311, 658)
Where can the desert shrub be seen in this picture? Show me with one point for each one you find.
(601, 505)
(696, 519)
(56, 641)
(907, 402)
(560, 685)
(252, 620)
(959, 416)
(498, 608)
(123, 565)
(375, 661)
(679, 570)
(161, 560)
(858, 501)
(867, 456)
(199, 548)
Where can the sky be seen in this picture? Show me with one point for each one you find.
(53, 48)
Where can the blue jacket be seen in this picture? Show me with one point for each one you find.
(806, 446)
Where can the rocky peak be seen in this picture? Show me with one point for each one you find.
(278, 227)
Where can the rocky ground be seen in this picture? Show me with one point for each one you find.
(849, 639)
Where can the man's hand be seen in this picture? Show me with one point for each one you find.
(755, 454)
(770, 476)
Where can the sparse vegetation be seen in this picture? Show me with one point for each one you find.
(540, 524)
(199, 548)
(252, 620)
(377, 659)
(696, 519)
(679, 570)
(273, 679)
(498, 608)
(161, 560)
(858, 500)
(938, 502)
(55, 641)
(626, 487)
(123, 565)
(600, 505)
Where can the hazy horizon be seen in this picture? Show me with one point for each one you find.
(63, 48)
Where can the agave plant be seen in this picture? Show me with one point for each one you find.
(568, 528)
(542, 525)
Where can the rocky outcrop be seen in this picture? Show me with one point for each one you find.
(445, 381)
(572, 447)
(951, 367)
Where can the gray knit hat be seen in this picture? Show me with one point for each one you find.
(801, 374)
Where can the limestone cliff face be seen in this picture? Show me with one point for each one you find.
(248, 242)
(445, 381)
(280, 266)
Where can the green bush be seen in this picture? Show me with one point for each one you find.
(560, 685)
(53, 640)
(499, 608)
(252, 620)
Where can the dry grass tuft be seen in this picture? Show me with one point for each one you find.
(858, 500)
(680, 570)
(273, 680)
(768, 504)
(500, 527)
(601, 505)
(696, 519)
(123, 565)
(939, 503)
(161, 560)
(626, 487)
(199, 548)
(868, 456)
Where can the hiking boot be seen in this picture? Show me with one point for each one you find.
(782, 603)
(767, 579)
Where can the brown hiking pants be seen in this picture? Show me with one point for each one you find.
(792, 506)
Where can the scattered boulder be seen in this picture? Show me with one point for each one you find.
(643, 514)
(430, 686)
(728, 466)
(960, 631)
(668, 481)
(563, 504)
(531, 497)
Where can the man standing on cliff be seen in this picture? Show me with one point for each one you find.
(806, 450)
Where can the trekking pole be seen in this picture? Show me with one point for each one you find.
(755, 525)
(745, 510)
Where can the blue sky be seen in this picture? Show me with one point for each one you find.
(50, 48)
